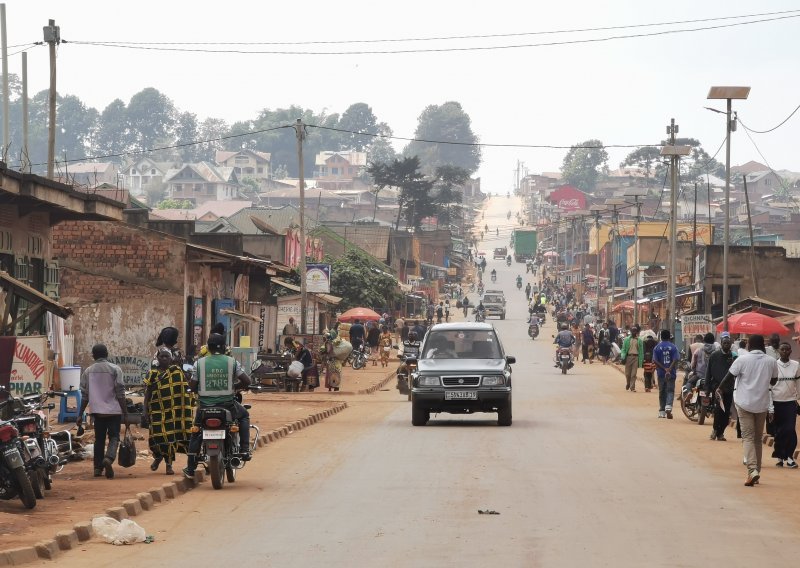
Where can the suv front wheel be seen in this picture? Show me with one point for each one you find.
(419, 415)
(504, 414)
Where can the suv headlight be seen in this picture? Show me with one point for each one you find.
(494, 381)
(424, 381)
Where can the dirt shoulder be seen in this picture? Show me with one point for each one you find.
(77, 496)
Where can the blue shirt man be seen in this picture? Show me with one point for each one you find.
(665, 356)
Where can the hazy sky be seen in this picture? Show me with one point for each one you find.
(621, 92)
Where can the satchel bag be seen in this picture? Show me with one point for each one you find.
(127, 450)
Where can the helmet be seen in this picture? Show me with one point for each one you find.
(216, 343)
(412, 335)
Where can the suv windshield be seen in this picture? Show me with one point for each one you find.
(461, 344)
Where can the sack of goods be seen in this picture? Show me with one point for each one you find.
(295, 369)
(342, 349)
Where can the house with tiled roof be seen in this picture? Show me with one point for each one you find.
(90, 174)
(202, 182)
(144, 175)
(339, 170)
(246, 163)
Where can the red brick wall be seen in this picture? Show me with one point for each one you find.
(124, 284)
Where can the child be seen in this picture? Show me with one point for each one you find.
(649, 369)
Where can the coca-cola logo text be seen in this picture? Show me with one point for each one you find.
(569, 203)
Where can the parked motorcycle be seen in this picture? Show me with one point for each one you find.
(15, 464)
(691, 401)
(220, 453)
(533, 331)
(480, 288)
(508, 262)
(564, 359)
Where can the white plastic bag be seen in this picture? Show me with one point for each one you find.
(295, 369)
(116, 532)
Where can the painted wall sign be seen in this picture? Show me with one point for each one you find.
(28, 369)
(134, 369)
(318, 278)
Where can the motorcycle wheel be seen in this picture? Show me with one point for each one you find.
(359, 361)
(564, 370)
(215, 470)
(26, 494)
(701, 416)
(37, 482)
(689, 410)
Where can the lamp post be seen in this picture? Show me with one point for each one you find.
(674, 153)
(596, 209)
(727, 94)
(636, 194)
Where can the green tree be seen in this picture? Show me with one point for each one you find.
(358, 118)
(447, 123)
(380, 149)
(187, 134)
(152, 117)
(647, 158)
(415, 199)
(584, 164)
(174, 204)
(354, 280)
(448, 180)
(211, 131)
(114, 130)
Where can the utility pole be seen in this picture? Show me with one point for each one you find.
(301, 134)
(6, 96)
(558, 218)
(614, 202)
(753, 272)
(597, 209)
(674, 152)
(52, 36)
(636, 194)
(26, 159)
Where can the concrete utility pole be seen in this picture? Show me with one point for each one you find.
(636, 194)
(26, 159)
(674, 152)
(596, 209)
(4, 39)
(52, 36)
(301, 134)
(614, 203)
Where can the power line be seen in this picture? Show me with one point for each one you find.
(482, 144)
(428, 50)
(784, 121)
(449, 38)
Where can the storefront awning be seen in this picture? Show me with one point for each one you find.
(327, 298)
(241, 315)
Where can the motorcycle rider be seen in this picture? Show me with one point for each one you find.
(533, 323)
(494, 274)
(215, 379)
(519, 281)
(481, 309)
(508, 260)
(411, 348)
(700, 364)
(564, 339)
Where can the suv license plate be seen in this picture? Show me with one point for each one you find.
(461, 395)
(213, 434)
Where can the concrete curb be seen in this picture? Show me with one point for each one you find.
(380, 385)
(143, 502)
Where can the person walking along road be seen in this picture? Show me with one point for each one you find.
(632, 356)
(665, 356)
(103, 390)
(784, 398)
(754, 373)
(719, 362)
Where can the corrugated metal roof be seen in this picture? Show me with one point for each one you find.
(278, 218)
(353, 158)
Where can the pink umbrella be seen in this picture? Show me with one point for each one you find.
(754, 323)
(363, 314)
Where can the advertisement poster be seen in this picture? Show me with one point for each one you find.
(134, 369)
(28, 368)
(696, 324)
(318, 278)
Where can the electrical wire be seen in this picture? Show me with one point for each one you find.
(429, 50)
(783, 183)
(784, 121)
(25, 47)
(450, 38)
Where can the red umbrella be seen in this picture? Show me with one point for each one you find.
(363, 314)
(754, 323)
(627, 306)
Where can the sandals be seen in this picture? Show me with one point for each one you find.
(155, 464)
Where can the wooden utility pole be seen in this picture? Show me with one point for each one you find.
(753, 272)
(52, 36)
(26, 159)
(6, 96)
(301, 134)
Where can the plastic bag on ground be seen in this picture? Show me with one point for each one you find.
(118, 532)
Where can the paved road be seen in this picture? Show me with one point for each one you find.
(586, 476)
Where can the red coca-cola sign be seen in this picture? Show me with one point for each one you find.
(568, 198)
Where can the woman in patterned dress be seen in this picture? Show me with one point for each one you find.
(333, 367)
(168, 405)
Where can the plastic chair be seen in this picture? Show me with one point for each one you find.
(70, 407)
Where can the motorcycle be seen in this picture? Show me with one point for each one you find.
(480, 316)
(533, 331)
(696, 406)
(358, 357)
(494, 277)
(404, 374)
(220, 454)
(564, 359)
(15, 465)
(508, 262)
(519, 284)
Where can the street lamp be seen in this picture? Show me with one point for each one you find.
(596, 209)
(728, 94)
